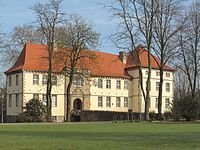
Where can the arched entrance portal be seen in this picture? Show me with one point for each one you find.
(77, 105)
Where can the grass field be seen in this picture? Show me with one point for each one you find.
(100, 136)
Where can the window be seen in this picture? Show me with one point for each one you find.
(17, 100)
(156, 104)
(167, 103)
(10, 101)
(17, 80)
(118, 102)
(118, 84)
(167, 74)
(54, 80)
(80, 82)
(157, 86)
(108, 84)
(100, 102)
(35, 79)
(149, 102)
(35, 96)
(44, 99)
(44, 79)
(167, 87)
(125, 101)
(54, 101)
(126, 85)
(10, 80)
(157, 73)
(108, 102)
(100, 83)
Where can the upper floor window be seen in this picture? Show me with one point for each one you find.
(44, 79)
(78, 82)
(108, 84)
(118, 102)
(167, 87)
(157, 86)
(35, 79)
(108, 102)
(10, 101)
(157, 73)
(167, 103)
(17, 80)
(126, 85)
(10, 80)
(35, 96)
(17, 100)
(118, 84)
(54, 80)
(167, 74)
(156, 103)
(126, 102)
(54, 101)
(100, 101)
(100, 83)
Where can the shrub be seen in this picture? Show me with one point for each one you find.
(35, 111)
(152, 115)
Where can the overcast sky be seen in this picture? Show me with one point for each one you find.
(17, 12)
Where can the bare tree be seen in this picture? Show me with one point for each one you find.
(136, 22)
(49, 16)
(189, 49)
(79, 38)
(165, 34)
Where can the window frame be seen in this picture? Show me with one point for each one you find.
(167, 87)
(126, 85)
(118, 84)
(118, 102)
(54, 80)
(108, 84)
(100, 83)
(126, 102)
(44, 79)
(157, 86)
(10, 81)
(108, 101)
(35, 79)
(17, 80)
(167, 103)
(52, 100)
(100, 101)
(10, 101)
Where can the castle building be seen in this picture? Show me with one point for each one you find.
(113, 87)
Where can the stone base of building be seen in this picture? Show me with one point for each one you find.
(11, 119)
(88, 115)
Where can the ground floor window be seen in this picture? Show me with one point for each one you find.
(54, 101)
(108, 102)
(118, 102)
(100, 102)
(167, 103)
(126, 102)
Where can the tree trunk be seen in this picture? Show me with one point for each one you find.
(68, 115)
(49, 86)
(160, 117)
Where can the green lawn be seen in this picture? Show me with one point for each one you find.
(100, 136)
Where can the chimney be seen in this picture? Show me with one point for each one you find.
(122, 56)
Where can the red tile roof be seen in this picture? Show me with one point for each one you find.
(155, 62)
(34, 57)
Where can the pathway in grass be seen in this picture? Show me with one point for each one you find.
(100, 136)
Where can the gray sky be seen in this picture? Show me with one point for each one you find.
(17, 12)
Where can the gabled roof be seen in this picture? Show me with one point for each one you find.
(143, 55)
(34, 57)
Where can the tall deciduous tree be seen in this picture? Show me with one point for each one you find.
(136, 27)
(165, 35)
(49, 16)
(189, 49)
(79, 38)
